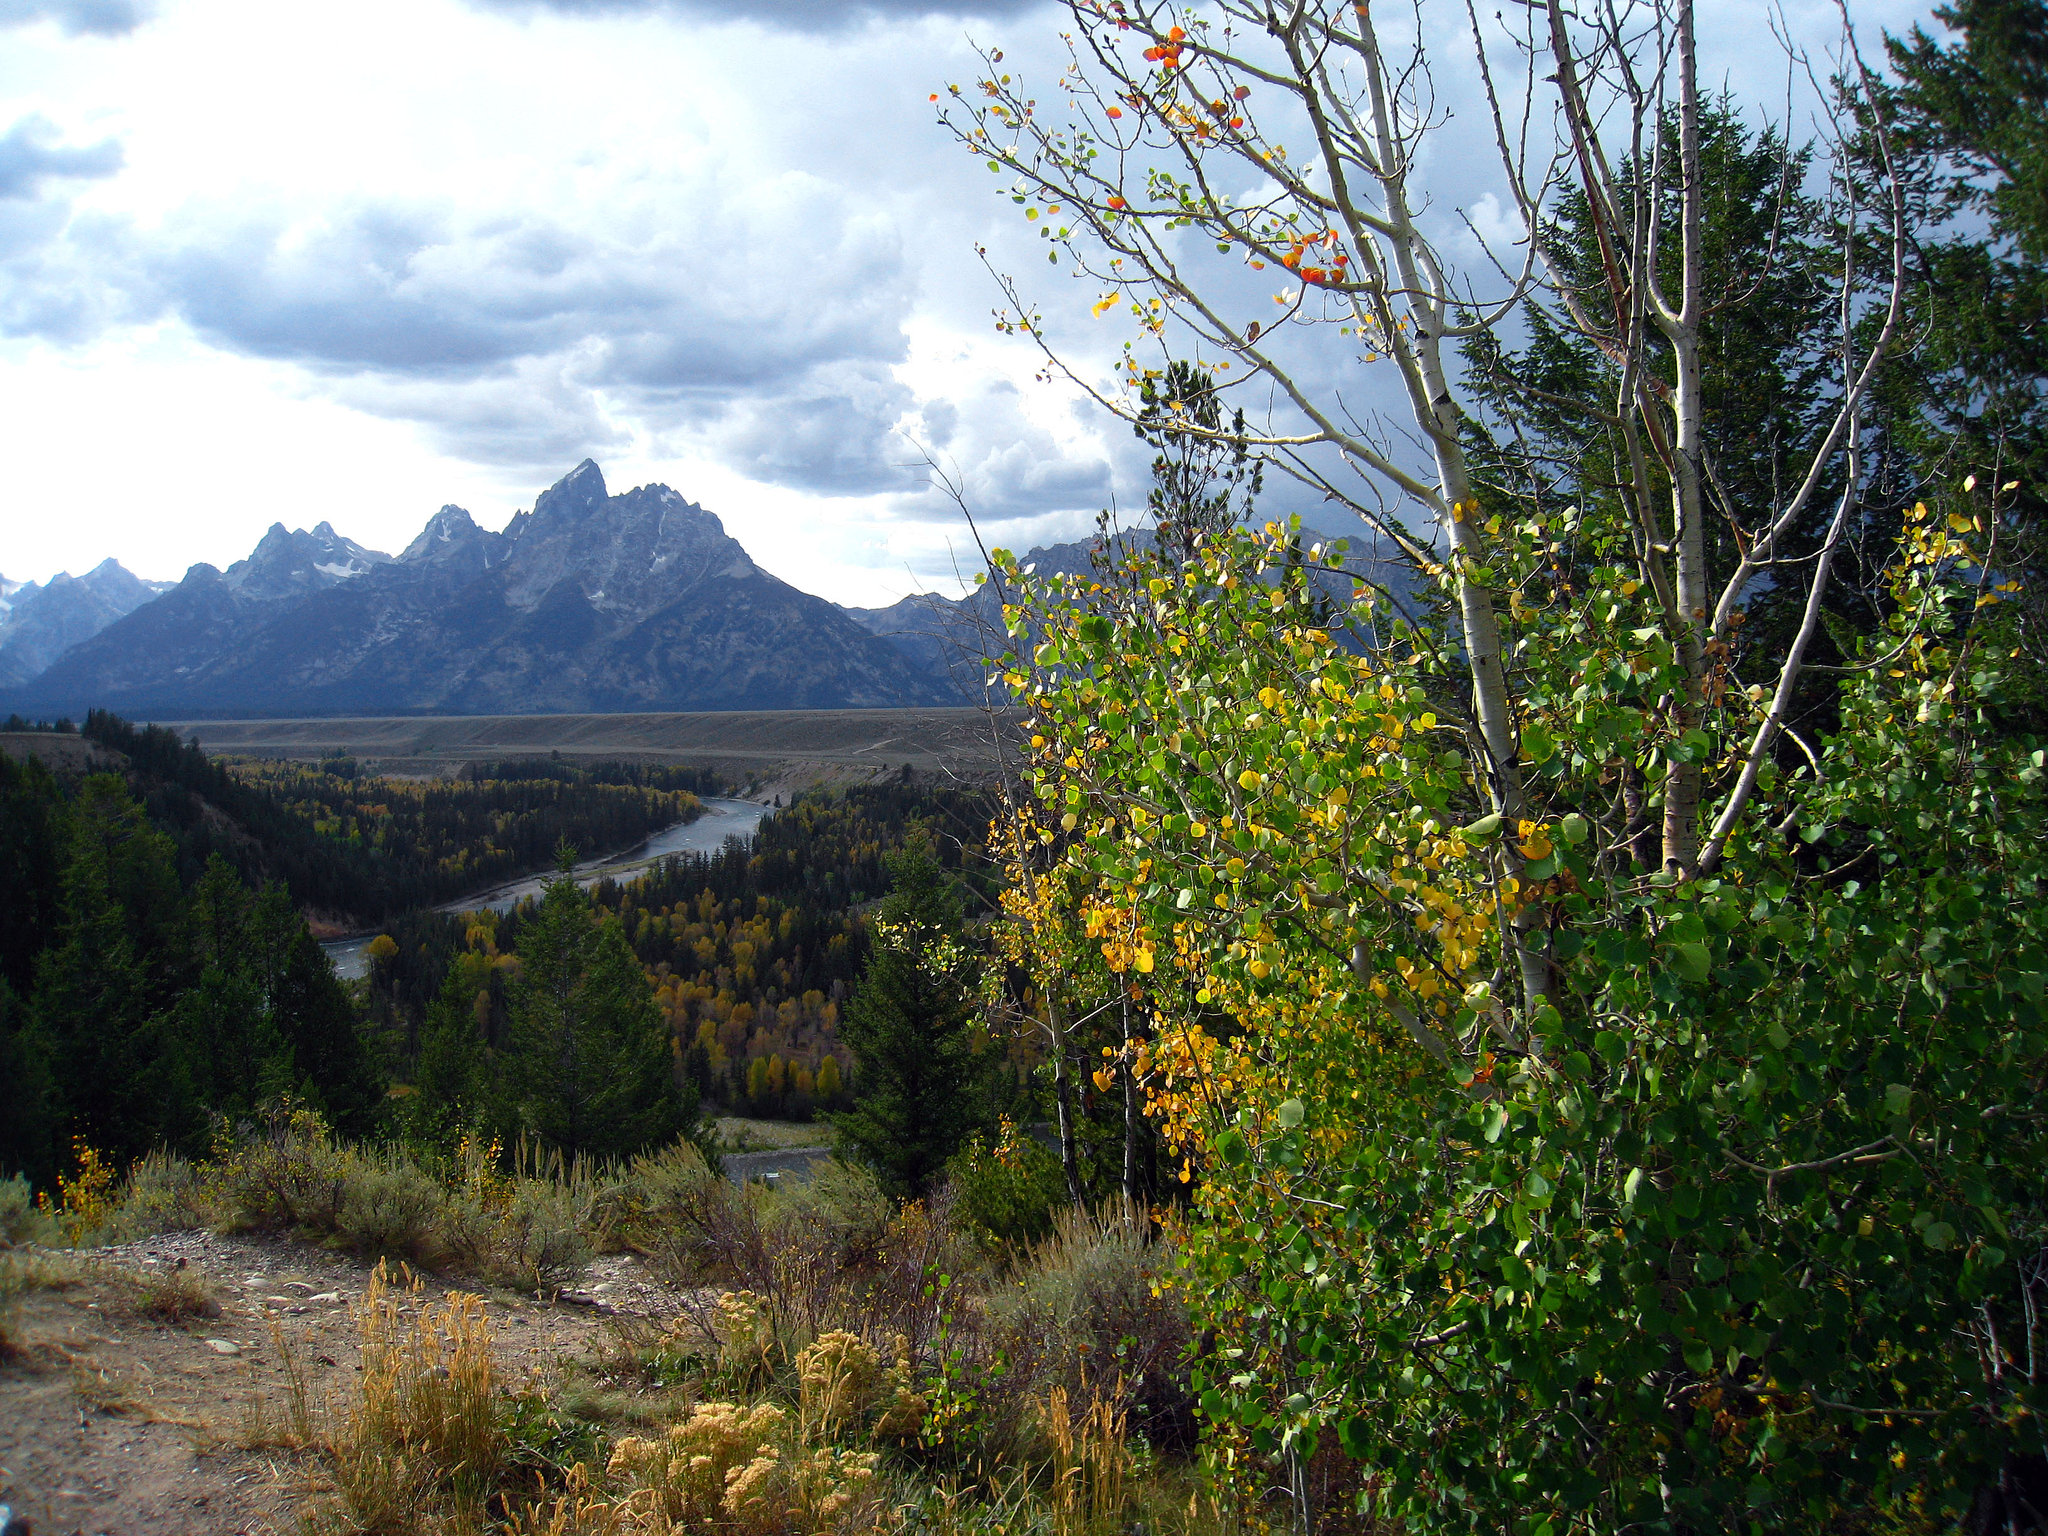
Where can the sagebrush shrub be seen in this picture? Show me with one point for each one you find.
(388, 1206)
(162, 1192)
(20, 1220)
(540, 1239)
(282, 1170)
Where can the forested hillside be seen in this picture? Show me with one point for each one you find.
(157, 975)
(751, 952)
(136, 1004)
(354, 849)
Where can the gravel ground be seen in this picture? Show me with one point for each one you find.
(111, 1422)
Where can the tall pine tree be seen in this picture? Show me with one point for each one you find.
(591, 1066)
(919, 1077)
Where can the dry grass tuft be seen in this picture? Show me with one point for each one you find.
(421, 1448)
(1091, 1462)
(174, 1297)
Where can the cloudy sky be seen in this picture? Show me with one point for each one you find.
(289, 261)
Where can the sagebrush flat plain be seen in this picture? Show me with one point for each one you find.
(837, 743)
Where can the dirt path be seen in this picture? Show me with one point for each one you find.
(113, 1422)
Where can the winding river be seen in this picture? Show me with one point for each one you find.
(722, 819)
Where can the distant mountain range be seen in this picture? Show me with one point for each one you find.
(41, 621)
(588, 603)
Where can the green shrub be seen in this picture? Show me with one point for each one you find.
(162, 1193)
(283, 1170)
(659, 1201)
(1006, 1193)
(175, 1296)
(538, 1238)
(20, 1221)
(388, 1205)
(1091, 1310)
(840, 1207)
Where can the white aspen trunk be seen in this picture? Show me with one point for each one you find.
(1682, 781)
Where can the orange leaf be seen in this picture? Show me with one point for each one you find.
(1116, 111)
(1116, 202)
(1241, 92)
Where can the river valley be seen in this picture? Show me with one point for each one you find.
(723, 818)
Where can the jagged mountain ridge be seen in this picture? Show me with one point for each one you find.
(588, 602)
(39, 622)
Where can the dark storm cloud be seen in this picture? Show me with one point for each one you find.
(836, 434)
(793, 15)
(405, 293)
(108, 18)
(50, 285)
(30, 156)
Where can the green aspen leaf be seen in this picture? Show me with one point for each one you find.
(1939, 1236)
(1692, 961)
(1537, 742)
(1573, 829)
(1291, 1113)
(1483, 828)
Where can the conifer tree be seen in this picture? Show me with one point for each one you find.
(451, 1081)
(591, 1067)
(918, 1087)
(332, 1066)
(102, 989)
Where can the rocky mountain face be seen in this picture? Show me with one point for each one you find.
(40, 621)
(292, 563)
(587, 603)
